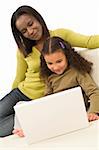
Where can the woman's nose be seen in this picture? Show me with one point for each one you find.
(30, 31)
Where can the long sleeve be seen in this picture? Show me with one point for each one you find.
(76, 39)
(27, 75)
(20, 71)
(91, 90)
(48, 88)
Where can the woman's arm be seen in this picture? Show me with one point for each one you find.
(20, 70)
(77, 39)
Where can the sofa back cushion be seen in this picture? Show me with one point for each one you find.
(93, 56)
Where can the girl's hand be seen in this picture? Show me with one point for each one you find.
(92, 116)
(18, 132)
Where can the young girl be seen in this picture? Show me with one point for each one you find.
(63, 68)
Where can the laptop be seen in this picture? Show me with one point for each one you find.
(52, 115)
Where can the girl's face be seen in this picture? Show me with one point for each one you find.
(56, 62)
(29, 27)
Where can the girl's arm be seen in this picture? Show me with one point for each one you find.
(92, 116)
(48, 88)
(91, 90)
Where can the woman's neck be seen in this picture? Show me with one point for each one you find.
(39, 45)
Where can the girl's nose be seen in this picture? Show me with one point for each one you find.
(55, 67)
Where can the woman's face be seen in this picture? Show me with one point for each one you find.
(56, 62)
(30, 27)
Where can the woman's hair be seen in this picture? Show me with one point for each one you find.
(74, 59)
(25, 44)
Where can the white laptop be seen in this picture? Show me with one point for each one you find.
(52, 115)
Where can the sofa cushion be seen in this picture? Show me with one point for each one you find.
(93, 56)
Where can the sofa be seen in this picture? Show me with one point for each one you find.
(93, 56)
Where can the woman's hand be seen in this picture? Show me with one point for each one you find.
(92, 116)
(18, 132)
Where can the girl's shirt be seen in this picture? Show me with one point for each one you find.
(73, 78)
(27, 73)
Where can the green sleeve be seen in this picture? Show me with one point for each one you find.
(76, 39)
(20, 70)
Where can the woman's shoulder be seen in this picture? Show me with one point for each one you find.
(19, 54)
(60, 32)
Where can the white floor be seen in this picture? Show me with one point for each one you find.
(85, 139)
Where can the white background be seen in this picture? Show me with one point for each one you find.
(78, 15)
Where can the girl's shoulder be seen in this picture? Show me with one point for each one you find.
(69, 72)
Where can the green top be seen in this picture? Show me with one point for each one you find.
(27, 73)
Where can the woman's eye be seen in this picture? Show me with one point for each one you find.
(23, 32)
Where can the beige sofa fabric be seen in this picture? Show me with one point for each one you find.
(93, 56)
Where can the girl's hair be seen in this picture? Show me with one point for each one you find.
(74, 59)
(25, 44)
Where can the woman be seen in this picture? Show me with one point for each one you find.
(30, 32)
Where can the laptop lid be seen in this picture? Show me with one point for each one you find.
(52, 115)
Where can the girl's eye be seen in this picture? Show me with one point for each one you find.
(59, 61)
(49, 63)
(30, 23)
